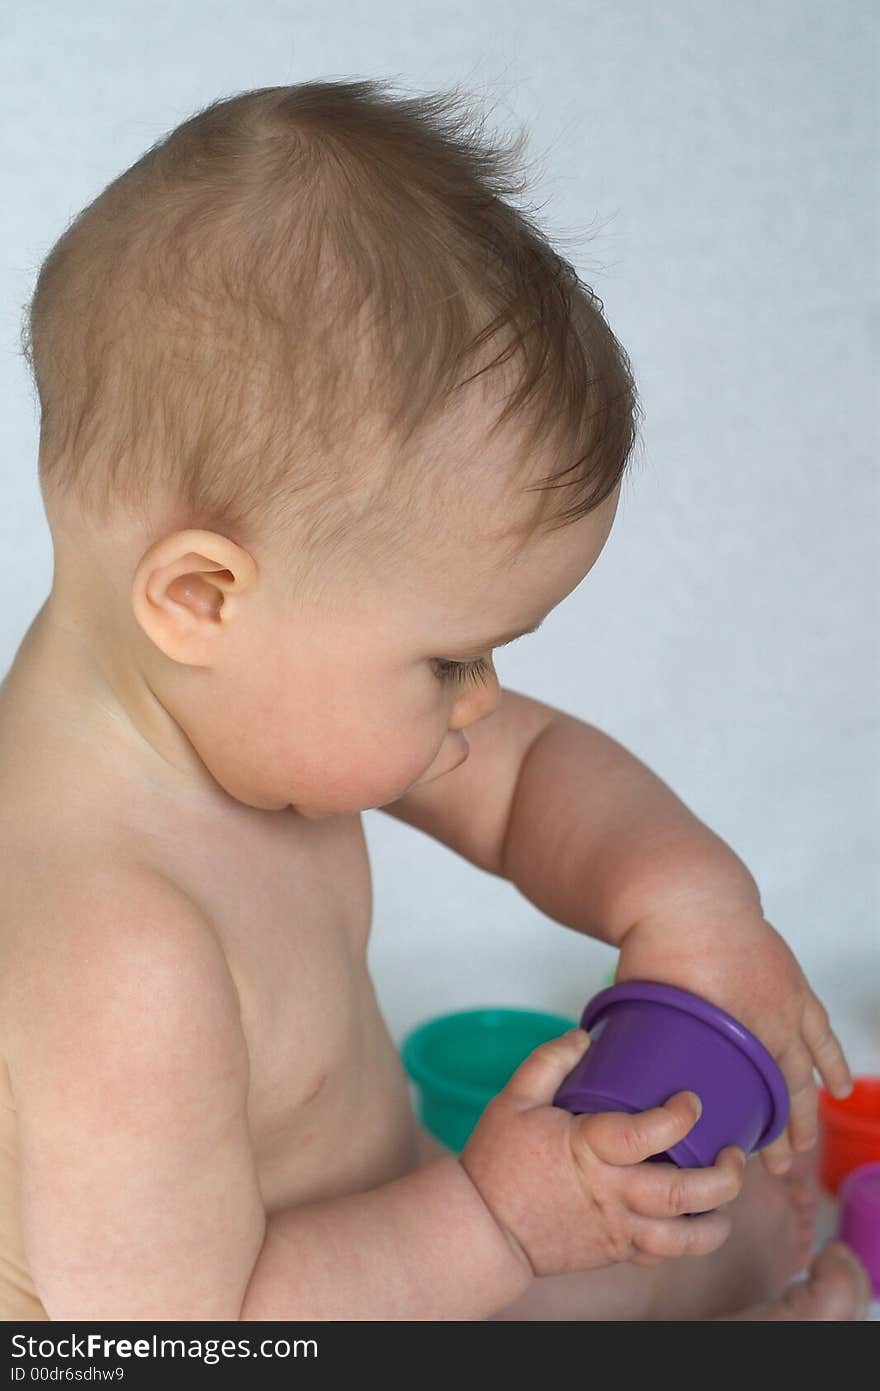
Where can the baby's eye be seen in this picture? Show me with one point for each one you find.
(460, 672)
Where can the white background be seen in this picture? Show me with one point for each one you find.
(725, 158)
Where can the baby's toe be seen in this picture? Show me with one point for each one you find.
(836, 1289)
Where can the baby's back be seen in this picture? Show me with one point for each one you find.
(114, 890)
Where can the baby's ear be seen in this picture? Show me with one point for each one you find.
(187, 590)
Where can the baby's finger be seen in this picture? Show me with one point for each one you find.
(825, 1048)
(681, 1236)
(537, 1080)
(803, 1125)
(776, 1158)
(802, 1130)
(662, 1190)
(803, 1122)
(618, 1138)
(642, 1258)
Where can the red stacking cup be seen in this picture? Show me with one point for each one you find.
(850, 1130)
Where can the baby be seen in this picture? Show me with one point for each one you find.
(304, 379)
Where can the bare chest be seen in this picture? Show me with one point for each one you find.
(328, 1103)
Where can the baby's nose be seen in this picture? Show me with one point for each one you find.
(475, 705)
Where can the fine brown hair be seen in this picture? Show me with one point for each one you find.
(297, 267)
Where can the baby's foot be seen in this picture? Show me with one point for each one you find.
(773, 1233)
(836, 1290)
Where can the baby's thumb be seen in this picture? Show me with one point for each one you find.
(537, 1080)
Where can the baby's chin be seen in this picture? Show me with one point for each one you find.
(453, 753)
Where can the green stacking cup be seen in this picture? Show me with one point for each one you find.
(459, 1061)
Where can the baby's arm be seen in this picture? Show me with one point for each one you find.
(139, 1191)
(597, 841)
(422, 1247)
(567, 1192)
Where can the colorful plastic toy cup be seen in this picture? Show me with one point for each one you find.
(649, 1041)
(459, 1061)
(859, 1218)
(850, 1130)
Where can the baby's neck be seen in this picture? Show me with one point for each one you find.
(59, 680)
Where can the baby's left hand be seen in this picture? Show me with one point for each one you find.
(733, 957)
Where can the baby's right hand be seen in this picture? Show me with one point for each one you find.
(572, 1192)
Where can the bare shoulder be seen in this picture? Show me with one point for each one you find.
(91, 930)
(129, 1071)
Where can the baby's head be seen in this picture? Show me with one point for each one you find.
(322, 417)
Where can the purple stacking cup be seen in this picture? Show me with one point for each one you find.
(649, 1041)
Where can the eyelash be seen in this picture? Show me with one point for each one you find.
(456, 673)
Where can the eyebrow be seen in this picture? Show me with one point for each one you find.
(470, 648)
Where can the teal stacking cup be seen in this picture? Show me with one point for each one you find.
(458, 1062)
